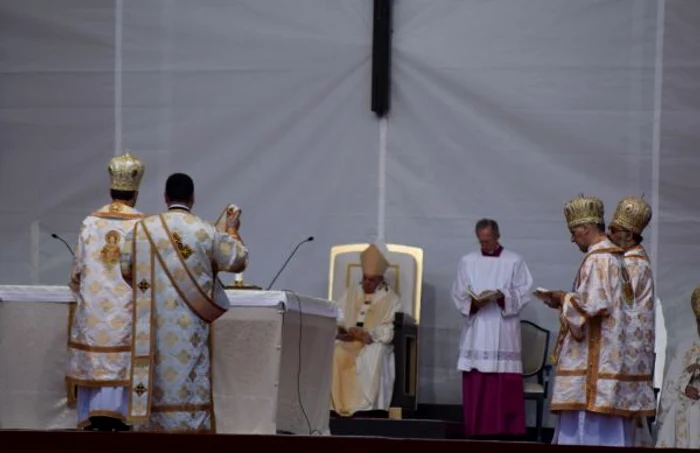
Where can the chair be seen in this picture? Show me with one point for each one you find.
(405, 276)
(535, 347)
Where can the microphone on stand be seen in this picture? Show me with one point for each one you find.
(55, 236)
(309, 239)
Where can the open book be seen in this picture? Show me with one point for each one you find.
(486, 295)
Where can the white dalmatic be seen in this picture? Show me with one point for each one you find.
(172, 260)
(490, 338)
(678, 419)
(99, 341)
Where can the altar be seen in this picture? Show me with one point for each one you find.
(272, 366)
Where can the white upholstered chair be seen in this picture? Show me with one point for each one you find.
(535, 347)
(405, 276)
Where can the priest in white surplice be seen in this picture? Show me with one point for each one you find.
(490, 345)
(99, 342)
(678, 419)
(363, 366)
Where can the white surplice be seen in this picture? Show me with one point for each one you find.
(678, 419)
(490, 339)
(99, 342)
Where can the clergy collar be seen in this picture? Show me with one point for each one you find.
(178, 206)
(496, 253)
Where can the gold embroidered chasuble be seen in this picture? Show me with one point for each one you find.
(99, 340)
(171, 261)
(599, 355)
(357, 367)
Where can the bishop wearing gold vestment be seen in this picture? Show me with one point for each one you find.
(171, 261)
(99, 345)
(631, 217)
(363, 366)
(596, 394)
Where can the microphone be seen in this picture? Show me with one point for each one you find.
(309, 239)
(55, 236)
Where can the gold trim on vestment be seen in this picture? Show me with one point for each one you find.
(71, 390)
(99, 349)
(594, 332)
(94, 383)
(617, 376)
(212, 411)
(117, 215)
(182, 408)
(606, 410)
(144, 362)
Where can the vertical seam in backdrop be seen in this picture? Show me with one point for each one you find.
(656, 135)
(381, 184)
(118, 20)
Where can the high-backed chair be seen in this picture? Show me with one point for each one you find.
(405, 276)
(535, 346)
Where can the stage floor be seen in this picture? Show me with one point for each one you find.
(91, 442)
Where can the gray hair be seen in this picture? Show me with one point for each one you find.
(487, 223)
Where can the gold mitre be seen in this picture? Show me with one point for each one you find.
(633, 214)
(125, 173)
(695, 302)
(582, 210)
(373, 261)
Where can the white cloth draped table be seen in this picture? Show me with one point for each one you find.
(264, 345)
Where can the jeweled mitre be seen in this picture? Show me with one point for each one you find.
(582, 210)
(695, 302)
(125, 172)
(633, 214)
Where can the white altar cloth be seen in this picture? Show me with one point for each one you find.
(272, 350)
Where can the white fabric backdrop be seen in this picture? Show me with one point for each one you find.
(502, 108)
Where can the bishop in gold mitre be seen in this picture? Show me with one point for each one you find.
(363, 368)
(100, 326)
(631, 217)
(600, 377)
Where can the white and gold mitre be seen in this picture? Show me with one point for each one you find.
(582, 210)
(373, 261)
(125, 173)
(633, 214)
(695, 302)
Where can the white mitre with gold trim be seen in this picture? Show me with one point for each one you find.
(125, 173)
(373, 260)
(582, 210)
(632, 214)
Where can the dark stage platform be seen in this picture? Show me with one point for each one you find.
(430, 421)
(93, 442)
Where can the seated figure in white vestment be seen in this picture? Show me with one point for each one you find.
(363, 364)
(678, 418)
